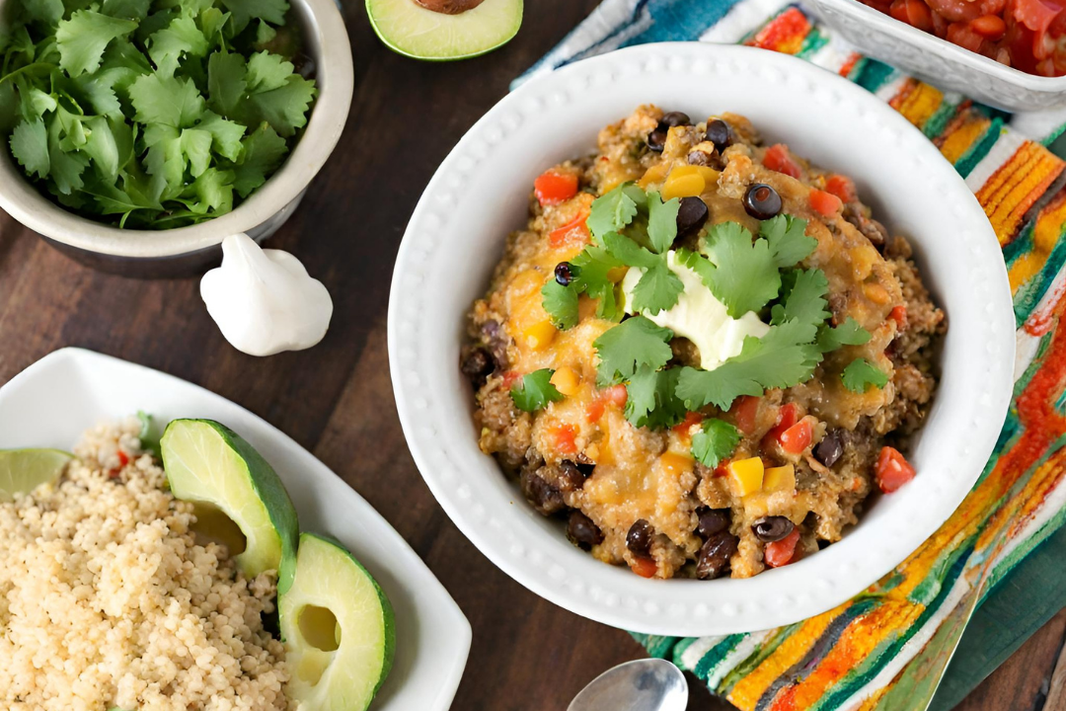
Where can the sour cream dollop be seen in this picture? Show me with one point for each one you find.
(264, 301)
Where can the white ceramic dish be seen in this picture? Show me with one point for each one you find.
(481, 192)
(940, 62)
(151, 253)
(54, 400)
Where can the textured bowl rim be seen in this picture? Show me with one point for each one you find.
(949, 50)
(323, 22)
(425, 327)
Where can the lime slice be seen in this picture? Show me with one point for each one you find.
(338, 627)
(23, 470)
(230, 483)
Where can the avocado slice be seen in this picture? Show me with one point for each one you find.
(239, 499)
(338, 627)
(444, 30)
(23, 470)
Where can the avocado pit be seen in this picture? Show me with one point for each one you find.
(449, 7)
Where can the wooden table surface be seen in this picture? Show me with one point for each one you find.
(336, 399)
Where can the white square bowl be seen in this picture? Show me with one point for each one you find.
(57, 398)
(939, 62)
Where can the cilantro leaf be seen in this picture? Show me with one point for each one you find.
(594, 265)
(861, 373)
(225, 81)
(561, 304)
(169, 101)
(263, 151)
(629, 345)
(126, 9)
(267, 72)
(535, 391)
(211, 191)
(82, 39)
(803, 293)
(286, 107)
(745, 277)
(715, 441)
(662, 222)
(651, 401)
(180, 38)
(614, 210)
(628, 252)
(29, 145)
(658, 289)
(273, 11)
(782, 358)
(196, 145)
(102, 147)
(849, 333)
(226, 136)
(788, 240)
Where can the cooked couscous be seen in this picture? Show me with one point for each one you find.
(107, 600)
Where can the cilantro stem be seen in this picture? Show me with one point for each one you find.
(28, 67)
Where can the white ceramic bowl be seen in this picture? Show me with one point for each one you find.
(65, 393)
(939, 62)
(480, 193)
(168, 252)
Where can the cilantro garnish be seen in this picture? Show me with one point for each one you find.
(535, 391)
(788, 239)
(625, 348)
(615, 209)
(741, 273)
(860, 374)
(782, 358)
(561, 304)
(803, 297)
(849, 333)
(652, 401)
(662, 222)
(149, 114)
(715, 441)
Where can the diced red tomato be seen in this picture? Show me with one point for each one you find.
(781, 552)
(552, 187)
(825, 204)
(893, 470)
(573, 232)
(797, 438)
(510, 378)
(842, 187)
(786, 417)
(777, 158)
(691, 419)
(564, 436)
(899, 315)
(644, 567)
(744, 410)
(723, 468)
(595, 409)
(616, 395)
(123, 458)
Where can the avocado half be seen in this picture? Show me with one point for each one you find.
(410, 28)
(230, 483)
(338, 626)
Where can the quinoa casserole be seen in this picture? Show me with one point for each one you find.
(703, 354)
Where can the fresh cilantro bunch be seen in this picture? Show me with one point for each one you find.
(150, 114)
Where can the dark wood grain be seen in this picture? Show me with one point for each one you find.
(336, 399)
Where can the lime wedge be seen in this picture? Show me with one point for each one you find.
(338, 627)
(23, 470)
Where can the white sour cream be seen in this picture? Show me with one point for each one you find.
(699, 316)
(263, 300)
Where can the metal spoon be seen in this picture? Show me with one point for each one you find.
(640, 685)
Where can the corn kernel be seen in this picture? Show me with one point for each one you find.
(676, 464)
(683, 181)
(566, 381)
(654, 174)
(746, 475)
(539, 335)
(710, 175)
(779, 478)
(877, 293)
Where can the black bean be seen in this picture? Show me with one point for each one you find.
(675, 118)
(762, 202)
(638, 540)
(564, 273)
(478, 365)
(830, 449)
(582, 532)
(719, 133)
(657, 139)
(714, 555)
(712, 521)
(691, 215)
(544, 497)
(572, 476)
(772, 528)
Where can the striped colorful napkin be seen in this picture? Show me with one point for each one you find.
(881, 649)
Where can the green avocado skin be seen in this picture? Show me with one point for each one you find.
(267, 485)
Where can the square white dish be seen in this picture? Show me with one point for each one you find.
(54, 400)
(939, 62)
